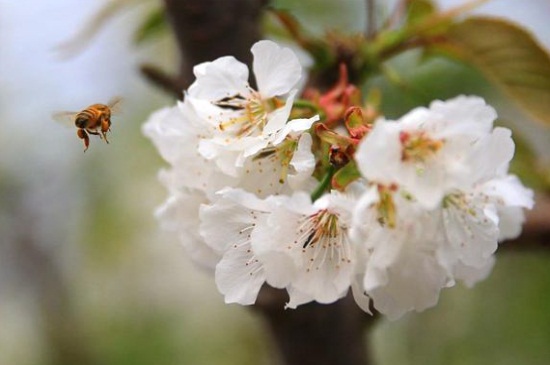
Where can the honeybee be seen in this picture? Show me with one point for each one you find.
(95, 119)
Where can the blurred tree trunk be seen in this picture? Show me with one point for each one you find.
(316, 334)
(206, 30)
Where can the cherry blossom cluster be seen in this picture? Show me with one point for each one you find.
(256, 190)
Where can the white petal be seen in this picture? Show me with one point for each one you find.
(220, 78)
(277, 69)
(325, 280)
(292, 127)
(491, 154)
(262, 175)
(297, 298)
(180, 214)
(269, 245)
(510, 223)
(227, 226)
(224, 224)
(229, 221)
(412, 282)
(322, 270)
(360, 295)
(303, 162)
(277, 119)
(239, 276)
(468, 115)
(173, 131)
(510, 192)
(472, 275)
(225, 160)
(379, 154)
(472, 232)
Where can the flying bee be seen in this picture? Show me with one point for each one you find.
(95, 119)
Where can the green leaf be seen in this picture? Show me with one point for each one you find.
(345, 176)
(418, 10)
(153, 25)
(507, 55)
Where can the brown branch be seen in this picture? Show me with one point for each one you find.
(208, 29)
(168, 83)
(536, 230)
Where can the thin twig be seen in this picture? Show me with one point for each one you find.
(168, 83)
(371, 18)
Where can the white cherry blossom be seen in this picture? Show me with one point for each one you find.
(179, 214)
(305, 247)
(429, 151)
(176, 133)
(472, 217)
(226, 227)
(242, 121)
(411, 244)
(400, 239)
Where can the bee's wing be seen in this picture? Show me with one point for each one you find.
(65, 118)
(114, 104)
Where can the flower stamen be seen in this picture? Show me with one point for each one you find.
(418, 147)
(323, 239)
(252, 112)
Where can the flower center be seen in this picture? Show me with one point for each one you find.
(460, 202)
(418, 147)
(322, 225)
(386, 206)
(250, 113)
(324, 240)
(281, 154)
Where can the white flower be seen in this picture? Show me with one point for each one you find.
(179, 214)
(282, 169)
(305, 247)
(472, 217)
(227, 226)
(428, 152)
(240, 121)
(510, 198)
(176, 131)
(400, 239)
(413, 250)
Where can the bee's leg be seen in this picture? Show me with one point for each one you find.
(105, 127)
(81, 133)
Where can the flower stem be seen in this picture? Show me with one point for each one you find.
(323, 185)
(306, 104)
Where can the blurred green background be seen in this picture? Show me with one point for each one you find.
(86, 276)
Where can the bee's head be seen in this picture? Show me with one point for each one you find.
(81, 121)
